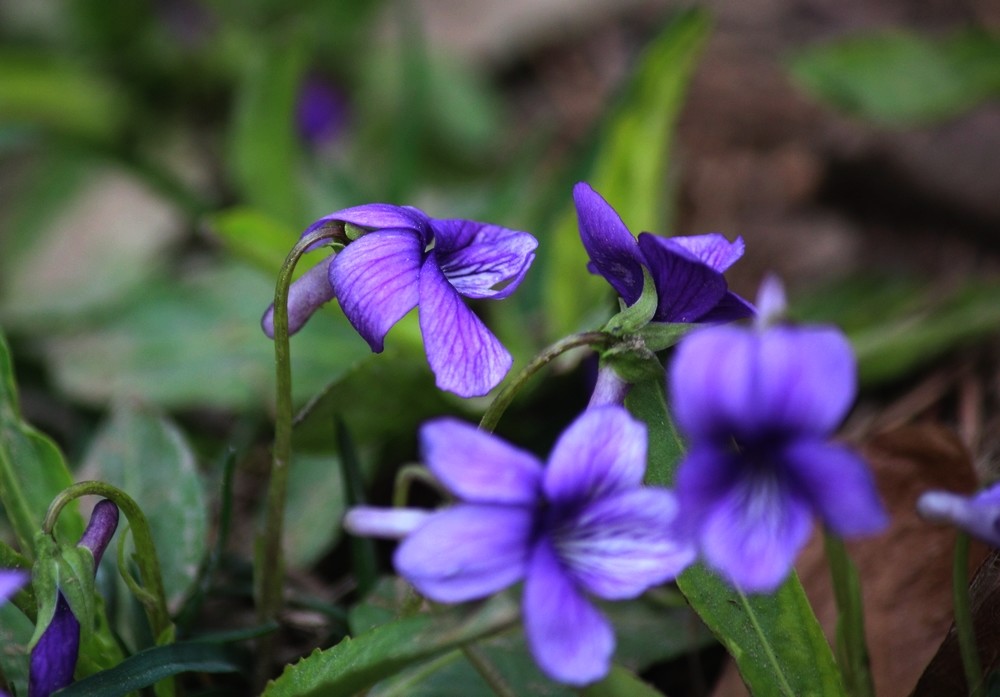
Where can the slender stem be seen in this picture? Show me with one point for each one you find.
(487, 671)
(269, 572)
(964, 626)
(852, 648)
(405, 478)
(507, 394)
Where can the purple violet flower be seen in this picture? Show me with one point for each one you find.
(320, 111)
(686, 271)
(53, 658)
(10, 582)
(408, 259)
(758, 406)
(978, 515)
(582, 525)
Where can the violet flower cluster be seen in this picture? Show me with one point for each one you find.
(406, 259)
(758, 406)
(581, 525)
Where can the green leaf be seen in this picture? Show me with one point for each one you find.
(150, 666)
(264, 152)
(629, 170)
(198, 342)
(116, 230)
(148, 458)
(903, 79)
(15, 632)
(620, 683)
(58, 94)
(776, 640)
(358, 663)
(315, 508)
(257, 238)
(32, 470)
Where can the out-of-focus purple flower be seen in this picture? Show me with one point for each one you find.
(320, 111)
(10, 582)
(686, 271)
(406, 259)
(582, 525)
(978, 515)
(758, 406)
(53, 658)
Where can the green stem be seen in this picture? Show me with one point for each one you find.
(407, 475)
(507, 394)
(852, 648)
(269, 576)
(487, 671)
(964, 626)
(154, 599)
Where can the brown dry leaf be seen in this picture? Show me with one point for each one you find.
(905, 571)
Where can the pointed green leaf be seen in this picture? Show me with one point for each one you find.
(32, 470)
(901, 79)
(358, 663)
(629, 170)
(775, 639)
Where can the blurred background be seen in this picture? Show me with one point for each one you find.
(158, 159)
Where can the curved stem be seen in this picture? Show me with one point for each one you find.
(407, 475)
(154, 599)
(964, 626)
(507, 394)
(269, 562)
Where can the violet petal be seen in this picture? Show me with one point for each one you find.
(712, 249)
(467, 551)
(602, 452)
(476, 258)
(613, 250)
(571, 640)
(839, 486)
(686, 287)
(464, 355)
(619, 546)
(479, 467)
(306, 295)
(53, 659)
(379, 216)
(388, 523)
(376, 280)
(10, 582)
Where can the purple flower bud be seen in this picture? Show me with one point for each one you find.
(53, 659)
(978, 515)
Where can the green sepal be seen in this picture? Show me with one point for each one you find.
(99, 651)
(353, 232)
(637, 315)
(658, 336)
(65, 569)
(633, 361)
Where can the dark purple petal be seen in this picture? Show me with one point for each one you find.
(610, 389)
(379, 216)
(53, 659)
(10, 582)
(753, 533)
(479, 467)
(571, 640)
(478, 258)
(602, 452)
(619, 546)
(376, 280)
(839, 485)
(463, 354)
(388, 523)
(712, 249)
(730, 309)
(612, 248)
(305, 296)
(730, 381)
(467, 551)
(100, 529)
(686, 287)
